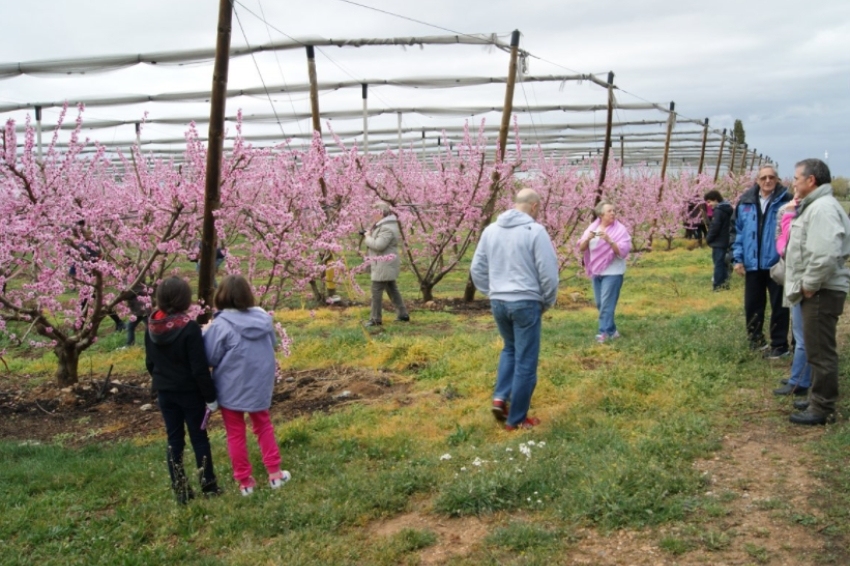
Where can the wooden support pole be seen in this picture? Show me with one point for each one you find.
(38, 130)
(314, 106)
(365, 91)
(495, 189)
(607, 149)
(753, 160)
(622, 152)
(671, 119)
(138, 134)
(702, 150)
(720, 156)
(212, 193)
(732, 158)
(509, 98)
(744, 159)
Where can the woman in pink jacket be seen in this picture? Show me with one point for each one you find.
(605, 244)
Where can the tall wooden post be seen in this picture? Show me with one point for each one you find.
(509, 98)
(744, 159)
(330, 284)
(469, 291)
(720, 156)
(753, 160)
(607, 149)
(365, 90)
(702, 150)
(212, 193)
(622, 152)
(732, 158)
(138, 134)
(671, 118)
(38, 131)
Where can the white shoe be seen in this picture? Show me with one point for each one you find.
(246, 491)
(277, 482)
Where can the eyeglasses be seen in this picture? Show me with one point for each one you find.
(767, 178)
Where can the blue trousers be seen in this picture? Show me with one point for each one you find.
(801, 371)
(519, 324)
(606, 292)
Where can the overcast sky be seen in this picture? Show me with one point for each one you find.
(782, 67)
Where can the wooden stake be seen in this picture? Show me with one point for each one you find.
(314, 106)
(365, 90)
(212, 194)
(702, 150)
(469, 291)
(38, 131)
(720, 156)
(607, 150)
(670, 119)
(744, 159)
(732, 159)
(753, 160)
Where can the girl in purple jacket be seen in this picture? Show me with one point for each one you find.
(240, 348)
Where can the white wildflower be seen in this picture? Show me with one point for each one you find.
(446, 456)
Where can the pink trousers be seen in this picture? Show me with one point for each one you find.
(234, 426)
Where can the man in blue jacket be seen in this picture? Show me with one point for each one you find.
(754, 253)
(516, 266)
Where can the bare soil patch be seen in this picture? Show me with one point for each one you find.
(122, 407)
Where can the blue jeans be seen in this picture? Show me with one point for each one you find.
(801, 371)
(721, 271)
(519, 324)
(606, 292)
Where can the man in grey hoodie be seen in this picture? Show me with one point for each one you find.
(817, 277)
(516, 266)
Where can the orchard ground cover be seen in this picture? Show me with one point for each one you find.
(665, 447)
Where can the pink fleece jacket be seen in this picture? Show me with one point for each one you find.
(603, 254)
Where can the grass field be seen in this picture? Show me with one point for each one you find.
(623, 424)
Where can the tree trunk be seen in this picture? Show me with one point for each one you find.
(68, 360)
(469, 291)
(427, 292)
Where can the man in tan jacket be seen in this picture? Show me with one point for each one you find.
(817, 277)
(382, 241)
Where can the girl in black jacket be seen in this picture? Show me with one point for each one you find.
(177, 362)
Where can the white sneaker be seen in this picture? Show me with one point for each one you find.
(277, 480)
(246, 491)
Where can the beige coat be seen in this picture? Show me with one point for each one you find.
(383, 240)
(818, 247)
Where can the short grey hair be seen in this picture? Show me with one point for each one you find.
(602, 204)
(816, 168)
(383, 207)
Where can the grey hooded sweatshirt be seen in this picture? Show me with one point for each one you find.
(515, 261)
(240, 349)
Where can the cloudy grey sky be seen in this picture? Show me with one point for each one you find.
(783, 67)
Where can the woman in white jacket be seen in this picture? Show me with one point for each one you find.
(382, 241)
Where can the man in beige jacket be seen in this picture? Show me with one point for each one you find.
(817, 277)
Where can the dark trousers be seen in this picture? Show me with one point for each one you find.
(758, 286)
(131, 329)
(820, 319)
(378, 294)
(187, 408)
(721, 268)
